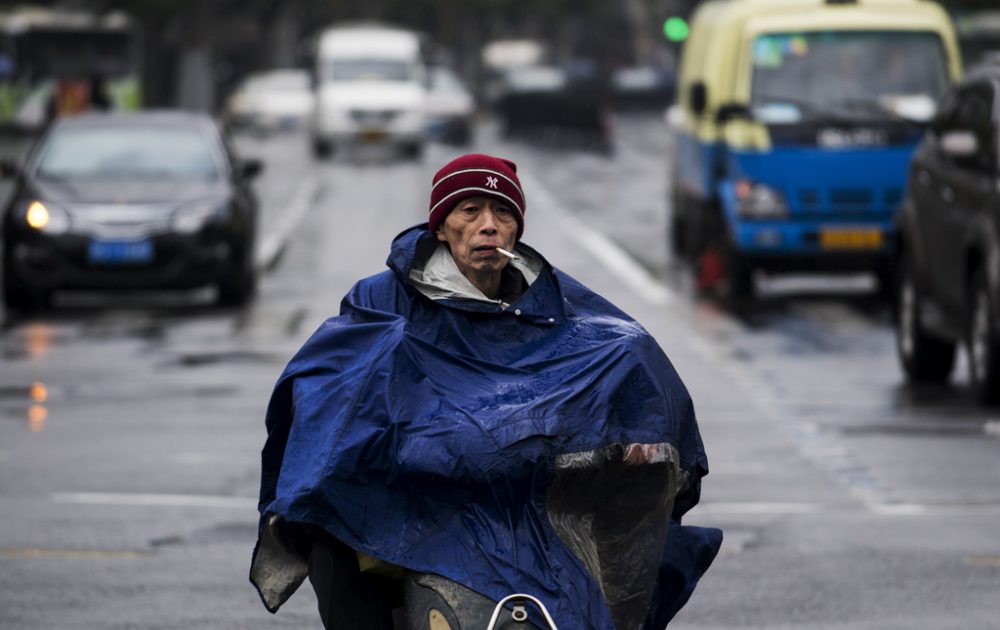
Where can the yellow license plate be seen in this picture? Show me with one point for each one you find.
(373, 135)
(840, 238)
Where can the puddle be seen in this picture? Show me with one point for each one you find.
(236, 356)
(922, 429)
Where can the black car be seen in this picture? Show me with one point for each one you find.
(948, 289)
(142, 200)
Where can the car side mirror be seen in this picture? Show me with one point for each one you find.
(959, 144)
(9, 168)
(698, 97)
(733, 111)
(249, 168)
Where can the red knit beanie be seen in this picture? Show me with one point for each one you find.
(474, 175)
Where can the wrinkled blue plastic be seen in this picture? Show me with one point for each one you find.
(424, 433)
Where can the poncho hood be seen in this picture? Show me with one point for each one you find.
(429, 433)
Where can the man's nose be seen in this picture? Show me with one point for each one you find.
(489, 222)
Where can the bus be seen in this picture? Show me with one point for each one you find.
(57, 62)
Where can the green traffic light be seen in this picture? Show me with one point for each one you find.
(676, 29)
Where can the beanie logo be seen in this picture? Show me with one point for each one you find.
(492, 182)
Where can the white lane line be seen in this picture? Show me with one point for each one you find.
(602, 248)
(156, 500)
(277, 236)
(758, 507)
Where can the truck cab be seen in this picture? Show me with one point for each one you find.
(793, 131)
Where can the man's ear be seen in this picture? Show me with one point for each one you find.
(440, 234)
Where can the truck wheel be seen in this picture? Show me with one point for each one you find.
(739, 276)
(924, 358)
(983, 340)
(678, 240)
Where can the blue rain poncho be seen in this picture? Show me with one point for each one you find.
(428, 433)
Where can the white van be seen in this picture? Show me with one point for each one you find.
(370, 88)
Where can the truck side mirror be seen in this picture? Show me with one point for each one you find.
(959, 144)
(698, 97)
(733, 111)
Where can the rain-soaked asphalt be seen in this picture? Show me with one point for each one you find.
(130, 426)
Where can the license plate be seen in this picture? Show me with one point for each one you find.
(120, 252)
(840, 238)
(373, 135)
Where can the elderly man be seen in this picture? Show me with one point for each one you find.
(477, 422)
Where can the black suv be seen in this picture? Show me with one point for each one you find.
(948, 288)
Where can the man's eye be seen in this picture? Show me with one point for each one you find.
(503, 210)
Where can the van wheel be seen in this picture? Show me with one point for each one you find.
(321, 149)
(413, 150)
(983, 340)
(924, 358)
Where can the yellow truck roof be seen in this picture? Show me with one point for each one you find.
(721, 30)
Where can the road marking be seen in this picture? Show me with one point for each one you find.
(759, 507)
(37, 552)
(610, 254)
(156, 500)
(278, 236)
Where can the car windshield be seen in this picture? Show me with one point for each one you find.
(369, 70)
(284, 82)
(127, 151)
(443, 80)
(850, 75)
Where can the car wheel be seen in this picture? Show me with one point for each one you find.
(983, 340)
(18, 296)
(924, 358)
(238, 287)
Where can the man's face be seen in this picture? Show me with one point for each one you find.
(473, 231)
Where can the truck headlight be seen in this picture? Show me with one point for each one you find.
(46, 217)
(759, 201)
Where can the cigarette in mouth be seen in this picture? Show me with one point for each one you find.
(506, 253)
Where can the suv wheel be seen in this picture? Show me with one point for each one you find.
(922, 356)
(984, 343)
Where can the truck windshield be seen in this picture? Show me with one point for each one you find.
(852, 75)
(369, 70)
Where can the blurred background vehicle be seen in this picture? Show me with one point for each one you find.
(40, 80)
(124, 201)
(555, 106)
(370, 89)
(502, 56)
(451, 107)
(791, 154)
(271, 101)
(949, 241)
(978, 34)
(642, 88)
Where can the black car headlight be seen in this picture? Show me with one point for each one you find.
(759, 201)
(191, 217)
(45, 217)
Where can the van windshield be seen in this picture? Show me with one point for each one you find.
(847, 75)
(369, 70)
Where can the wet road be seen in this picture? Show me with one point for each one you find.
(130, 426)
